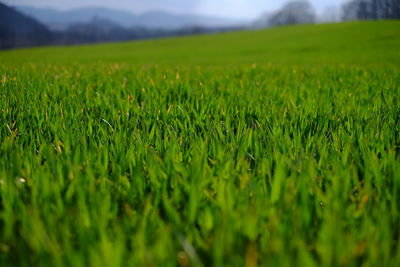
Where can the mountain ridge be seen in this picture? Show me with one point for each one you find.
(19, 30)
(60, 20)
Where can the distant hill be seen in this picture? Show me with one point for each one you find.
(92, 26)
(18, 30)
(60, 20)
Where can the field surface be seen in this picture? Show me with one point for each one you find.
(276, 147)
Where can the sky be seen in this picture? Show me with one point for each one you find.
(224, 8)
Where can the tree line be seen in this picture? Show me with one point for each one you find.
(302, 12)
(371, 9)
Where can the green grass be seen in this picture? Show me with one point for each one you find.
(273, 148)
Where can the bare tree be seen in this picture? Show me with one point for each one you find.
(295, 12)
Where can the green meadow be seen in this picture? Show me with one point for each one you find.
(277, 147)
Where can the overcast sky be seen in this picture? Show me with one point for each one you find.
(223, 8)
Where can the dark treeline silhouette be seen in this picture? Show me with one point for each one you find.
(371, 9)
(103, 30)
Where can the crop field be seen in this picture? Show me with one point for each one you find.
(276, 147)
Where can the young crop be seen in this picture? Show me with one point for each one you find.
(203, 160)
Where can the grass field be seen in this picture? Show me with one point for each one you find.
(276, 147)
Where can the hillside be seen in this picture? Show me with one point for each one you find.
(356, 42)
(18, 30)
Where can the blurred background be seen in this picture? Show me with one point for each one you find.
(25, 23)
